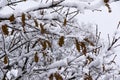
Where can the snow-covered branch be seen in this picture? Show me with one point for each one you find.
(43, 40)
(19, 7)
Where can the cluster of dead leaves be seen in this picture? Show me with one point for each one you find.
(56, 75)
(80, 46)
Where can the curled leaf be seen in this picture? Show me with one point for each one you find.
(5, 29)
(61, 41)
(108, 6)
(36, 58)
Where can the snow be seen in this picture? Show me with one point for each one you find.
(106, 22)
(59, 64)
(22, 7)
(3, 3)
(118, 78)
(12, 73)
(32, 5)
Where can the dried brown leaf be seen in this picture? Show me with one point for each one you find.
(84, 49)
(23, 19)
(65, 22)
(61, 41)
(5, 59)
(42, 28)
(58, 76)
(77, 45)
(88, 77)
(5, 29)
(11, 18)
(36, 23)
(44, 45)
(36, 58)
